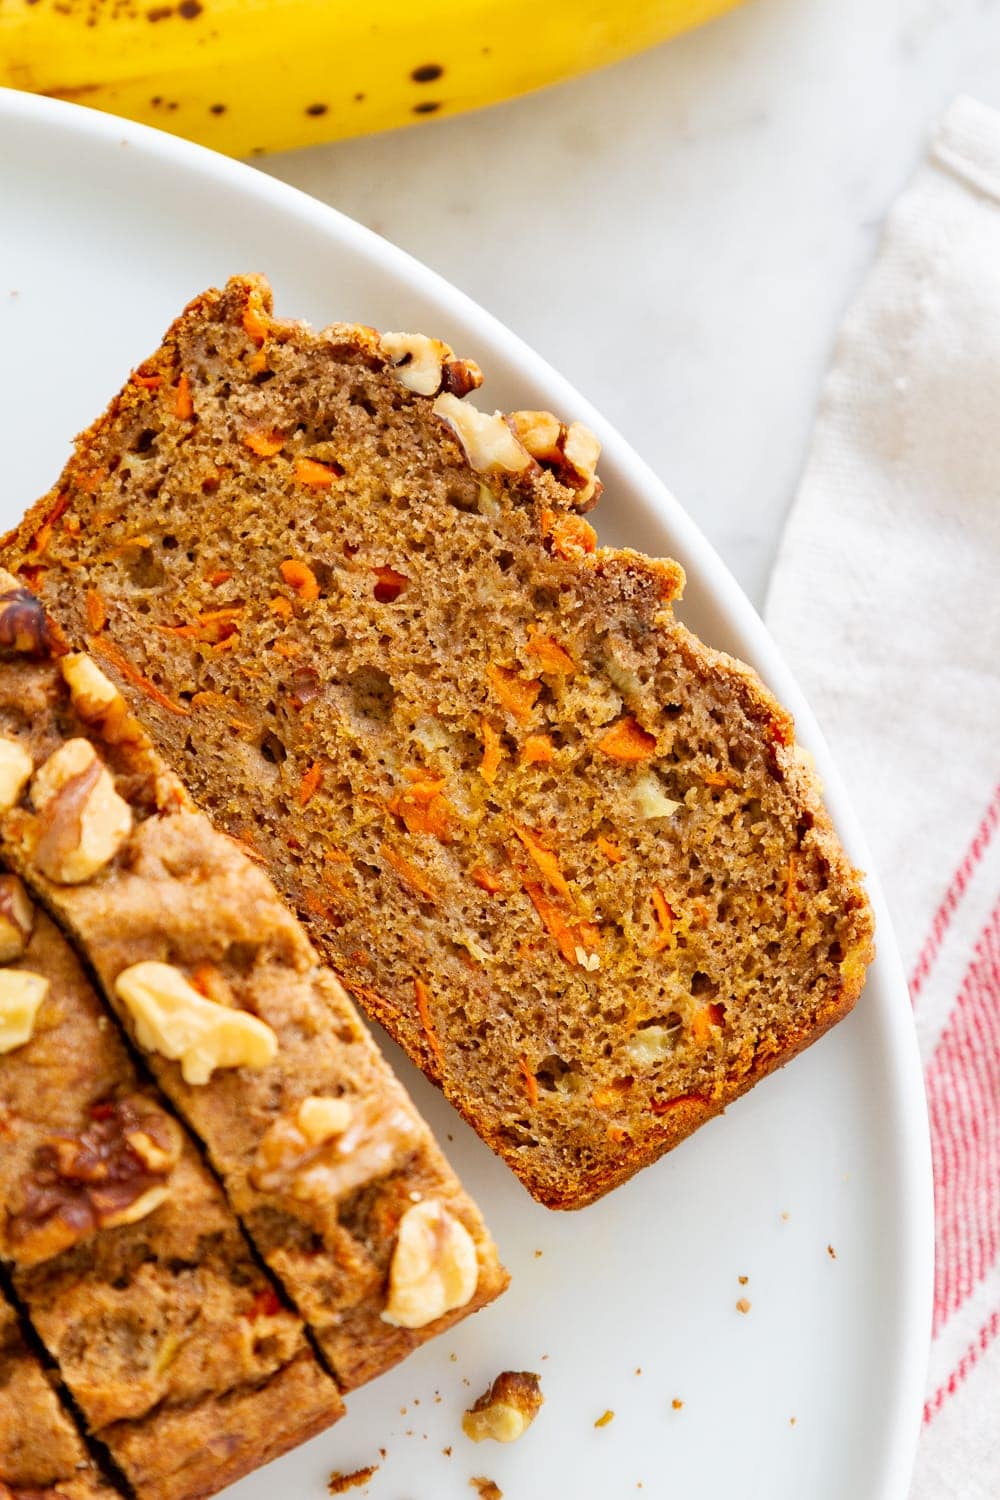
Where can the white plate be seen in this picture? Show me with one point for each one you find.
(106, 229)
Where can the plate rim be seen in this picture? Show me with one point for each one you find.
(905, 1098)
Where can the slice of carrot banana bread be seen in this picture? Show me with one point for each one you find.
(42, 1453)
(569, 856)
(334, 1174)
(121, 1247)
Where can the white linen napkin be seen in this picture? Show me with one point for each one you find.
(886, 600)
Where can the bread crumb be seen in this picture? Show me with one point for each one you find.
(638, 1369)
(453, 1357)
(676, 1404)
(743, 1280)
(338, 1483)
(792, 1421)
(785, 1217)
(538, 1254)
(603, 1421)
(488, 1489)
(743, 1305)
(447, 1451)
(831, 1252)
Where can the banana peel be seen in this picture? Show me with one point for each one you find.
(252, 76)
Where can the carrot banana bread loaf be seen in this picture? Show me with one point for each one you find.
(567, 854)
(335, 1176)
(121, 1248)
(42, 1454)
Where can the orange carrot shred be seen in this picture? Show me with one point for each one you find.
(553, 921)
(423, 999)
(148, 382)
(288, 649)
(610, 850)
(493, 753)
(422, 807)
(665, 920)
(42, 537)
(264, 443)
(602, 1098)
(279, 605)
(790, 904)
(570, 534)
(627, 742)
(486, 880)
(300, 577)
(517, 695)
(553, 657)
(97, 613)
(308, 471)
(530, 1081)
(538, 750)
(220, 576)
(310, 783)
(716, 778)
(257, 362)
(706, 1020)
(256, 322)
(545, 862)
(409, 873)
(111, 653)
(183, 405)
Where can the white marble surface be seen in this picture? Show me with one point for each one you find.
(680, 234)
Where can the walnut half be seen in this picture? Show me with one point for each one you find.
(427, 366)
(112, 1173)
(21, 996)
(434, 1269)
(506, 1410)
(173, 1019)
(17, 918)
(82, 821)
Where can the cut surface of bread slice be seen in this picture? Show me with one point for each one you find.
(568, 855)
(41, 1449)
(330, 1168)
(120, 1245)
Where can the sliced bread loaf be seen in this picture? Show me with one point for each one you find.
(567, 854)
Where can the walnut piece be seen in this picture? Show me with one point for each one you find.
(329, 1147)
(17, 918)
(21, 995)
(15, 771)
(649, 798)
(23, 626)
(427, 366)
(570, 452)
(434, 1267)
(97, 700)
(82, 820)
(506, 1410)
(487, 441)
(113, 1173)
(173, 1019)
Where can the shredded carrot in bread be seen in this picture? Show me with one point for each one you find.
(485, 879)
(42, 537)
(89, 479)
(515, 693)
(288, 649)
(101, 647)
(493, 753)
(664, 918)
(570, 534)
(265, 443)
(790, 904)
(220, 576)
(553, 657)
(183, 405)
(308, 471)
(256, 322)
(538, 750)
(208, 981)
(422, 806)
(617, 1134)
(707, 1020)
(553, 921)
(423, 999)
(96, 610)
(409, 873)
(279, 605)
(72, 525)
(139, 542)
(300, 577)
(147, 382)
(627, 742)
(227, 642)
(530, 1081)
(610, 850)
(602, 1098)
(717, 778)
(257, 362)
(545, 862)
(310, 783)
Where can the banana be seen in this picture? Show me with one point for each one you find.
(249, 76)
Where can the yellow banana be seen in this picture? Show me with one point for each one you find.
(247, 76)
